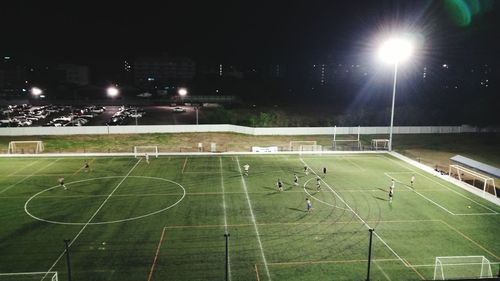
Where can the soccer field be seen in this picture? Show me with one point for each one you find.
(130, 220)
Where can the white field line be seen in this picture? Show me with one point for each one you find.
(24, 167)
(356, 214)
(319, 200)
(458, 193)
(420, 194)
(225, 214)
(28, 176)
(254, 221)
(184, 166)
(91, 218)
(383, 272)
(433, 265)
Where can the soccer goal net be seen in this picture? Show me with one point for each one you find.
(380, 144)
(487, 184)
(29, 147)
(297, 145)
(28, 276)
(462, 267)
(151, 150)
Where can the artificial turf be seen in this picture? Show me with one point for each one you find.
(129, 220)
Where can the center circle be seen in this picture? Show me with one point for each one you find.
(26, 209)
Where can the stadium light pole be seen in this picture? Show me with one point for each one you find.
(395, 51)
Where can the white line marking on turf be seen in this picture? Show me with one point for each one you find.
(91, 218)
(356, 214)
(184, 166)
(420, 194)
(319, 200)
(24, 167)
(225, 214)
(383, 272)
(244, 184)
(28, 176)
(104, 222)
(417, 172)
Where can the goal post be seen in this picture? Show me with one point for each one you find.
(297, 145)
(29, 147)
(462, 267)
(35, 276)
(151, 150)
(380, 144)
(465, 174)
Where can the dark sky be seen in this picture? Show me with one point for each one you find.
(236, 31)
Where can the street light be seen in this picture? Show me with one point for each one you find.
(182, 92)
(36, 91)
(112, 91)
(394, 51)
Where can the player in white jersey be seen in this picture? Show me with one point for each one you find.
(246, 167)
(412, 180)
(309, 205)
(61, 183)
(279, 184)
(147, 157)
(391, 190)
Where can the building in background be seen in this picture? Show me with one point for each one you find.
(74, 74)
(163, 70)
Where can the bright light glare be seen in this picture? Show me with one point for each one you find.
(182, 92)
(36, 91)
(112, 91)
(395, 50)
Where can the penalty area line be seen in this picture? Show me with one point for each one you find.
(156, 254)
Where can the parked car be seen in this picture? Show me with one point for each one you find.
(179, 109)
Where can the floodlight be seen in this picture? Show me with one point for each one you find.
(395, 50)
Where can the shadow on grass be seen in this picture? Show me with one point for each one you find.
(298, 210)
(380, 198)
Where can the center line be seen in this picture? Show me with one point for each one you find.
(91, 218)
(253, 219)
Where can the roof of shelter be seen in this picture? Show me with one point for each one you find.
(485, 168)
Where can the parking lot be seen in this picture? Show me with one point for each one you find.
(66, 115)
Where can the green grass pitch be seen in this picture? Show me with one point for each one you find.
(129, 220)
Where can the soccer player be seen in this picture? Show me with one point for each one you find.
(61, 183)
(412, 180)
(309, 205)
(246, 167)
(295, 179)
(306, 170)
(324, 171)
(391, 190)
(147, 157)
(318, 183)
(86, 166)
(279, 184)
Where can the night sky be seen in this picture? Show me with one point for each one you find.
(240, 31)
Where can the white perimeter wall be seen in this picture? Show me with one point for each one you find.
(102, 130)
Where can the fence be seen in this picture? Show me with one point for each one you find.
(144, 129)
